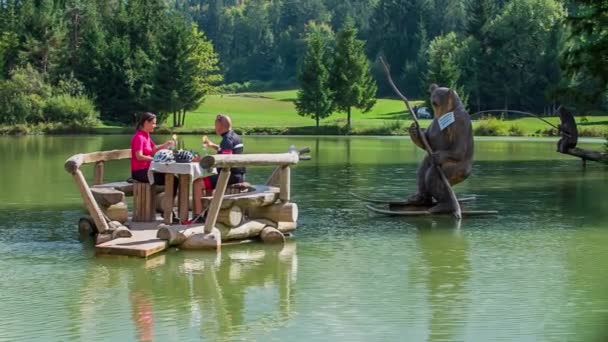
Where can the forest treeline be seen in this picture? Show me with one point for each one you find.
(80, 60)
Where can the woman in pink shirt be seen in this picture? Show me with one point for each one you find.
(143, 149)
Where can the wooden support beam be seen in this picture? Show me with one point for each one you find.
(184, 197)
(168, 205)
(216, 202)
(90, 203)
(285, 178)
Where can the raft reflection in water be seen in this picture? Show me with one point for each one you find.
(214, 295)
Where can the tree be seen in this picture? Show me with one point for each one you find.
(351, 80)
(200, 72)
(187, 71)
(315, 96)
(443, 68)
(399, 32)
(514, 50)
(586, 56)
(475, 63)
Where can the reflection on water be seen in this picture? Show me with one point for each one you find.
(445, 253)
(203, 294)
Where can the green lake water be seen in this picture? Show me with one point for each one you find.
(536, 272)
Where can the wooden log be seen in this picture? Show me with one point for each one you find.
(98, 173)
(74, 162)
(86, 228)
(241, 160)
(107, 196)
(230, 217)
(272, 235)
(283, 227)
(211, 240)
(285, 178)
(90, 203)
(117, 212)
(102, 238)
(177, 234)
(121, 232)
(280, 212)
(214, 208)
(588, 155)
(262, 196)
(246, 230)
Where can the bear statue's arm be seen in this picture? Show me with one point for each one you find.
(413, 131)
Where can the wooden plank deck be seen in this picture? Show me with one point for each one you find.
(143, 243)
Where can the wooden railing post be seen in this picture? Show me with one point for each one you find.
(98, 173)
(285, 188)
(216, 202)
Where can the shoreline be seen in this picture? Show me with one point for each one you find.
(21, 130)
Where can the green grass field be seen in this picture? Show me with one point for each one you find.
(277, 110)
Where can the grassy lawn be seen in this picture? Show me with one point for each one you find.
(276, 110)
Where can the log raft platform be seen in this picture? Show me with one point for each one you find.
(235, 214)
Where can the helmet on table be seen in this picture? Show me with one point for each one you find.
(183, 156)
(164, 156)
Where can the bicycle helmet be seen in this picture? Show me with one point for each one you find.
(164, 156)
(183, 156)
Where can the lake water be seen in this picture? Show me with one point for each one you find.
(536, 272)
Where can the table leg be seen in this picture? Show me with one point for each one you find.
(184, 197)
(168, 205)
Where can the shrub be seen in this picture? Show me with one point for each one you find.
(516, 131)
(491, 127)
(71, 109)
(23, 96)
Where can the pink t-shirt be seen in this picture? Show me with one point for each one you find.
(141, 141)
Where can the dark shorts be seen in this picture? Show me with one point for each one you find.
(159, 178)
(211, 181)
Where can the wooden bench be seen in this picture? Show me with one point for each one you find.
(257, 196)
(125, 187)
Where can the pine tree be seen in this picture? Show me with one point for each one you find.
(315, 97)
(585, 57)
(443, 68)
(351, 79)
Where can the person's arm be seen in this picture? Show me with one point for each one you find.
(167, 145)
(210, 143)
(140, 156)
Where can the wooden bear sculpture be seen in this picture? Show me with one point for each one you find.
(450, 136)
